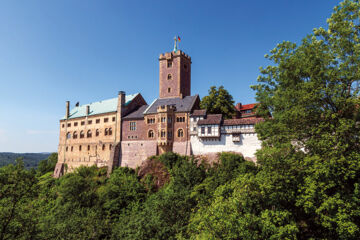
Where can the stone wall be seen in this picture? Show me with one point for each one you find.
(133, 153)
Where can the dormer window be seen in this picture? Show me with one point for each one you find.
(169, 76)
(169, 63)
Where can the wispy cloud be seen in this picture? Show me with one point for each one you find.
(40, 132)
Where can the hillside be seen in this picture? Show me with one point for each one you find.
(31, 160)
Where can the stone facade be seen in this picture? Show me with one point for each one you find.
(125, 131)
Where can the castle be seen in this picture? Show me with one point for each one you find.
(125, 131)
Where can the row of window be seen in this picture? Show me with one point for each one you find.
(103, 147)
(162, 133)
(89, 122)
(162, 119)
(169, 64)
(107, 132)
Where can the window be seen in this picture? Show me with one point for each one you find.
(113, 119)
(180, 119)
(110, 131)
(163, 119)
(151, 134)
(68, 135)
(90, 122)
(169, 63)
(103, 147)
(75, 135)
(63, 125)
(82, 123)
(169, 119)
(80, 148)
(82, 134)
(185, 66)
(132, 126)
(163, 133)
(106, 120)
(150, 120)
(88, 147)
(180, 133)
(97, 132)
(194, 128)
(75, 124)
(97, 120)
(169, 76)
(89, 134)
(169, 134)
(66, 148)
(72, 148)
(202, 130)
(169, 90)
(69, 124)
(106, 131)
(110, 146)
(209, 130)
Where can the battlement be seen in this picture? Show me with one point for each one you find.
(170, 55)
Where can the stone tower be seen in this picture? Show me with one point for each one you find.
(174, 75)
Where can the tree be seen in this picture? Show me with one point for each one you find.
(313, 137)
(218, 101)
(48, 165)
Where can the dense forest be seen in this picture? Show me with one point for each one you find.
(31, 160)
(304, 185)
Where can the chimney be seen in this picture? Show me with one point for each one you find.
(238, 106)
(67, 114)
(87, 110)
(122, 97)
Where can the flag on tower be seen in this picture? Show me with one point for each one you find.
(179, 39)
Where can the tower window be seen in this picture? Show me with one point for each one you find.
(185, 66)
(169, 76)
(151, 134)
(169, 63)
(169, 90)
(180, 133)
(132, 126)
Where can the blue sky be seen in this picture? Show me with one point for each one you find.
(77, 50)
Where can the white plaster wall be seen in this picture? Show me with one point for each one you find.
(248, 145)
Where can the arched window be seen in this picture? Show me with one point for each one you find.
(82, 134)
(68, 135)
(80, 148)
(88, 147)
(151, 134)
(75, 135)
(163, 133)
(89, 134)
(106, 131)
(110, 131)
(97, 133)
(169, 77)
(180, 133)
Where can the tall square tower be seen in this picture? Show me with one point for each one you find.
(175, 75)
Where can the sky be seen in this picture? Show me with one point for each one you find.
(87, 51)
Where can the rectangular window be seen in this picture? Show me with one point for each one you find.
(106, 120)
(163, 119)
(194, 129)
(169, 135)
(169, 63)
(209, 130)
(97, 120)
(202, 130)
(75, 124)
(113, 119)
(90, 122)
(169, 119)
(82, 123)
(132, 126)
(63, 125)
(69, 124)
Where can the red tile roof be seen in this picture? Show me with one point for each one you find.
(247, 107)
(200, 112)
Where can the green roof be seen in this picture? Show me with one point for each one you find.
(105, 106)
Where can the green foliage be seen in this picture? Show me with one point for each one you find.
(48, 165)
(31, 160)
(219, 101)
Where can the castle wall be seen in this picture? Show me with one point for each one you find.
(133, 153)
(247, 145)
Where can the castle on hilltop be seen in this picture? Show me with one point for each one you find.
(125, 130)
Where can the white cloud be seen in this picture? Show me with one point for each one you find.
(40, 132)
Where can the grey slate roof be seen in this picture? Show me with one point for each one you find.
(182, 104)
(137, 114)
(199, 113)
(105, 106)
(211, 119)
